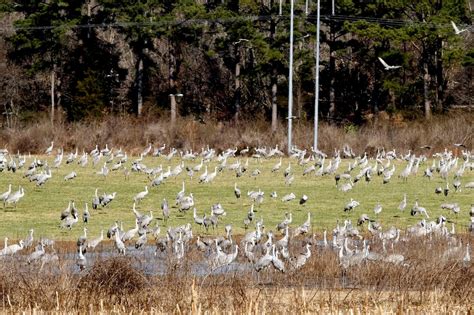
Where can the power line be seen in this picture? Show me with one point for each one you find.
(252, 18)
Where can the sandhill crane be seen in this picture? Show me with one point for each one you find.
(251, 213)
(284, 224)
(301, 260)
(210, 177)
(165, 210)
(283, 242)
(70, 176)
(15, 197)
(92, 244)
(30, 172)
(234, 166)
(74, 211)
(264, 261)
(287, 170)
(446, 190)
(104, 171)
(43, 178)
(5, 245)
(69, 222)
(197, 220)
(81, 260)
(130, 234)
(304, 228)
(71, 157)
(142, 240)
(180, 194)
(186, 203)
(203, 176)
(59, 159)
(351, 205)
(362, 219)
(158, 151)
(107, 198)
(309, 170)
(277, 166)
(407, 171)
(6, 194)
(157, 181)
(403, 203)
(147, 150)
(106, 151)
(95, 200)
(119, 244)
(83, 160)
(49, 149)
(457, 184)
(85, 214)
(144, 222)
(37, 254)
(28, 241)
(289, 179)
(237, 192)
(288, 197)
(248, 252)
(217, 210)
(12, 249)
(201, 244)
(198, 167)
(222, 259)
(254, 236)
(81, 241)
(417, 209)
(467, 257)
(303, 199)
(66, 212)
(141, 195)
(378, 208)
(352, 260)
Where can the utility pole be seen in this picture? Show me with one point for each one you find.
(290, 81)
(173, 108)
(316, 90)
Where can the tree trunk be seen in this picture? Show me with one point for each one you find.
(237, 89)
(332, 76)
(53, 77)
(439, 75)
(274, 78)
(298, 100)
(376, 91)
(173, 109)
(426, 92)
(274, 83)
(172, 82)
(140, 85)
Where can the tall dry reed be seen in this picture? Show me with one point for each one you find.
(133, 134)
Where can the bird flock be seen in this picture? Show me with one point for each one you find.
(287, 246)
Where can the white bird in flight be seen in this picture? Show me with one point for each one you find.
(387, 66)
(456, 29)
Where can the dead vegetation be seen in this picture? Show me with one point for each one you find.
(132, 134)
(119, 284)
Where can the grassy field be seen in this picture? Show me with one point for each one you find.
(41, 207)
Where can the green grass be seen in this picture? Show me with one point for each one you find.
(41, 207)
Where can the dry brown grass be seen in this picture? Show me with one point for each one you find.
(429, 284)
(133, 134)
